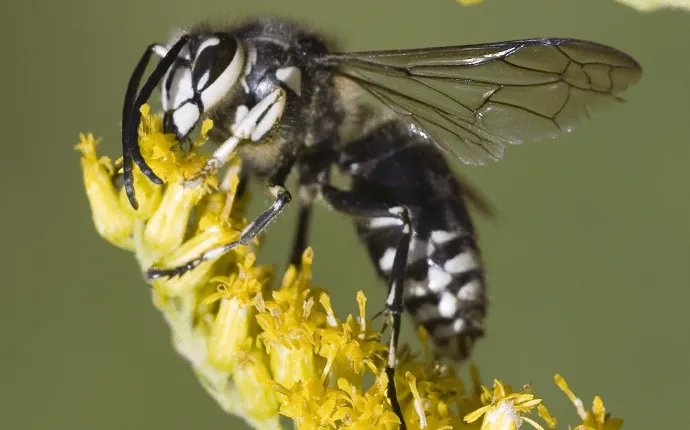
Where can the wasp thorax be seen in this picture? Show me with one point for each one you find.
(198, 81)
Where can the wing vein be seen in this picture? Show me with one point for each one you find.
(473, 100)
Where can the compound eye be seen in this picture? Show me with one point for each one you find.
(217, 67)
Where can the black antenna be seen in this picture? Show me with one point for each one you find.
(131, 117)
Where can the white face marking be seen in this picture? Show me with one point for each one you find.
(458, 325)
(203, 80)
(227, 79)
(270, 119)
(470, 292)
(384, 222)
(461, 263)
(213, 41)
(180, 89)
(441, 237)
(386, 261)
(170, 100)
(185, 117)
(292, 76)
(438, 279)
(448, 305)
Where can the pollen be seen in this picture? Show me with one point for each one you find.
(351, 347)
(162, 151)
(261, 350)
(368, 409)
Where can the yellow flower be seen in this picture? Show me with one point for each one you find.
(262, 353)
(234, 321)
(112, 221)
(310, 404)
(352, 347)
(439, 416)
(597, 418)
(290, 322)
(369, 409)
(504, 409)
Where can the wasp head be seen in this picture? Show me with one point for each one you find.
(207, 70)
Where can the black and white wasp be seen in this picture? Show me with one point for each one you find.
(280, 97)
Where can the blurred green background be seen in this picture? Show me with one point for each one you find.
(588, 259)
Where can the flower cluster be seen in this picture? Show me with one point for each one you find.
(262, 353)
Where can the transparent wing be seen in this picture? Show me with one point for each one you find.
(473, 100)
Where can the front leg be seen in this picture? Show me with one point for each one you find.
(351, 203)
(253, 126)
(282, 198)
(313, 169)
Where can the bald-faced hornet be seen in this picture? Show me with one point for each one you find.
(281, 98)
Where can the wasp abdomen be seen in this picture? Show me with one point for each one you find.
(449, 301)
(444, 287)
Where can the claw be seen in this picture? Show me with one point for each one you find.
(210, 169)
(152, 274)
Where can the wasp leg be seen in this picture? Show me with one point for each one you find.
(252, 230)
(312, 170)
(351, 203)
(299, 243)
(254, 126)
(313, 167)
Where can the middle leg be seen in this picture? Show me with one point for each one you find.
(351, 203)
